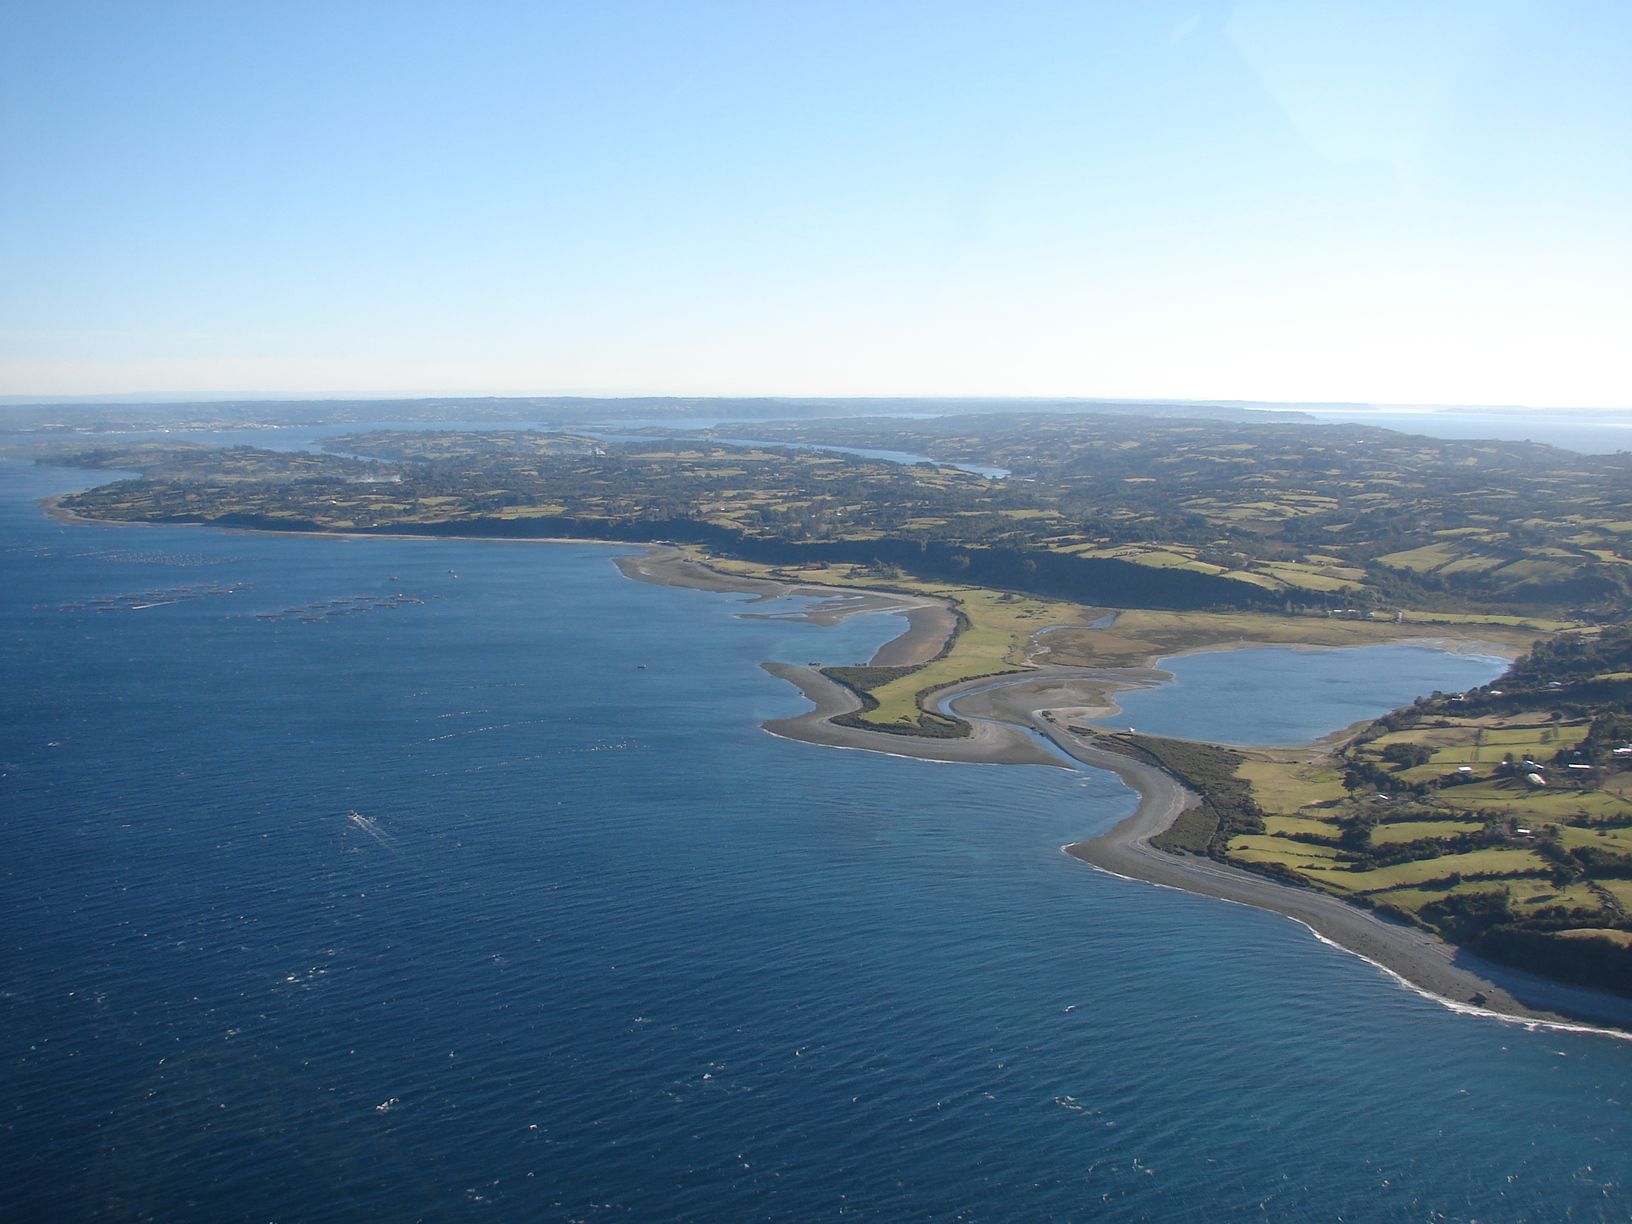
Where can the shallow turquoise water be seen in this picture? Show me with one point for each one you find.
(595, 947)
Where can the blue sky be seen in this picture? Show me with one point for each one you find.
(1368, 200)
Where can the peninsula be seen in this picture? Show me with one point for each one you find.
(1013, 715)
(1436, 842)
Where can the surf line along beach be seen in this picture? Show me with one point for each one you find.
(1012, 726)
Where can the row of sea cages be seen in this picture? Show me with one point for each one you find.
(315, 613)
(135, 601)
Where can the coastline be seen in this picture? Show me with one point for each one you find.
(1415, 958)
(1009, 717)
(991, 744)
(930, 623)
(1007, 714)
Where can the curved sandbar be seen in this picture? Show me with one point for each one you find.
(930, 622)
(1005, 710)
(1417, 957)
(991, 744)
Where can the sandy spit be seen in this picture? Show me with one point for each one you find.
(1009, 719)
(1006, 712)
(1414, 957)
(991, 744)
(1009, 710)
(929, 622)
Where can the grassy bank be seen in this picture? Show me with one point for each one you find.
(1501, 819)
(1139, 635)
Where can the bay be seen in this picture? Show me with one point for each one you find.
(1588, 433)
(455, 911)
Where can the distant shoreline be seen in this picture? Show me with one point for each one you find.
(1007, 716)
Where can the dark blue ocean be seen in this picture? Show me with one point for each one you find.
(452, 911)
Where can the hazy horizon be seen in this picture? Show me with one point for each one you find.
(1358, 201)
(161, 399)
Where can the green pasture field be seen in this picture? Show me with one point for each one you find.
(1525, 892)
(1535, 569)
(1140, 635)
(1621, 890)
(996, 638)
(1156, 558)
(1422, 560)
(1614, 841)
(977, 654)
(1412, 830)
(1334, 879)
(1469, 745)
(1290, 787)
(1472, 565)
(1513, 798)
(1501, 861)
(1512, 622)
(1550, 738)
(1298, 824)
(1308, 578)
(1536, 893)
(516, 512)
(1262, 849)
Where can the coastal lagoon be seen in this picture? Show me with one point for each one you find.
(496, 903)
(1282, 695)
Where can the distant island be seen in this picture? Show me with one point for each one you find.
(1499, 819)
(1136, 511)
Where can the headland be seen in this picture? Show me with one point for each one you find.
(1027, 719)
(1009, 714)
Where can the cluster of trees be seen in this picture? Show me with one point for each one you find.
(1237, 495)
(192, 463)
(1578, 675)
(1485, 922)
(863, 680)
(772, 494)
(1260, 490)
(1227, 807)
(768, 505)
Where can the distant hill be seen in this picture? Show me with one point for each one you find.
(97, 416)
(1341, 520)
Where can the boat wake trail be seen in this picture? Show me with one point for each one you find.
(369, 826)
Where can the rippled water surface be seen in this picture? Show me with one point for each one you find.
(452, 911)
